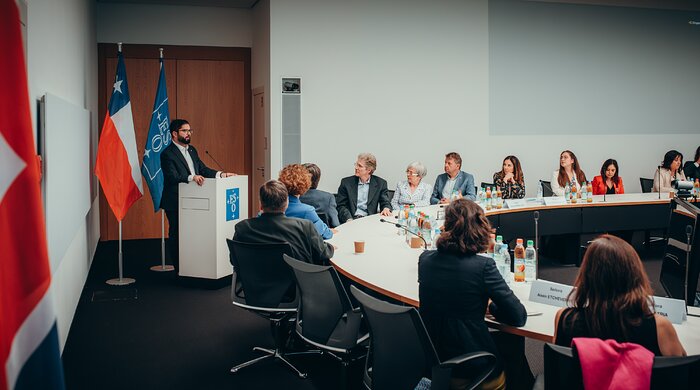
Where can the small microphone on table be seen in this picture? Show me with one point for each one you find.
(398, 225)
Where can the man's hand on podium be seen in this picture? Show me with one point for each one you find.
(199, 179)
(228, 174)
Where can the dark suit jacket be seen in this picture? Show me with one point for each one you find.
(323, 202)
(377, 198)
(307, 245)
(454, 291)
(464, 184)
(691, 170)
(175, 171)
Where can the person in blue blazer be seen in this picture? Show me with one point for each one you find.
(323, 202)
(454, 179)
(297, 180)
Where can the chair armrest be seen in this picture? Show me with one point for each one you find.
(443, 372)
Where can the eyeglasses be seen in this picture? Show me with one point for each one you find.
(359, 166)
(409, 173)
(186, 131)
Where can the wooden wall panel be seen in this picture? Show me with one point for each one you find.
(211, 98)
(216, 101)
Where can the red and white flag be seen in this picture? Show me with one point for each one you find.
(117, 162)
(29, 352)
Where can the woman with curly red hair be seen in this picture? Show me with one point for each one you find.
(297, 180)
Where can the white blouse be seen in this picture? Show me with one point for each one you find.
(420, 197)
(559, 190)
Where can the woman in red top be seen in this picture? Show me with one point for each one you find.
(609, 182)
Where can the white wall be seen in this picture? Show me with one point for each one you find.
(173, 25)
(61, 40)
(408, 80)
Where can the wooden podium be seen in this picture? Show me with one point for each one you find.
(208, 214)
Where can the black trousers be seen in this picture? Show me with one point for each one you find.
(171, 248)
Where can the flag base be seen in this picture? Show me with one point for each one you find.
(120, 281)
(162, 268)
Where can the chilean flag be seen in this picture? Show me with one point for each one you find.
(29, 352)
(117, 164)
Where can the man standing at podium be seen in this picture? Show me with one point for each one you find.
(180, 164)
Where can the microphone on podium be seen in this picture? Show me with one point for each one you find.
(221, 168)
(398, 225)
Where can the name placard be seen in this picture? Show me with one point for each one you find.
(554, 201)
(515, 203)
(673, 309)
(549, 293)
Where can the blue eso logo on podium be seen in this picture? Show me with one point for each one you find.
(232, 204)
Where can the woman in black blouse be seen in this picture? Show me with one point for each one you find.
(510, 179)
(611, 299)
(457, 284)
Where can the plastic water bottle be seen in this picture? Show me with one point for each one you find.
(530, 262)
(519, 269)
(567, 193)
(584, 192)
(499, 258)
(506, 264)
(427, 231)
(402, 220)
(540, 191)
(436, 235)
(412, 226)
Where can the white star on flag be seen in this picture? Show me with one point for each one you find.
(118, 86)
(11, 165)
(147, 153)
(158, 115)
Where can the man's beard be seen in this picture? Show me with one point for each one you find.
(183, 140)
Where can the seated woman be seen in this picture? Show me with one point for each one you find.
(609, 182)
(611, 300)
(569, 172)
(510, 179)
(323, 202)
(669, 171)
(297, 180)
(456, 286)
(691, 169)
(413, 190)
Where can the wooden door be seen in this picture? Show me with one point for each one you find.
(209, 87)
(261, 150)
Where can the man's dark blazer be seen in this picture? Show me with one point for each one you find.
(323, 202)
(307, 245)
(175, 171)
(377, 198)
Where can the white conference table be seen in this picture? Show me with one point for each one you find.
(390, 267)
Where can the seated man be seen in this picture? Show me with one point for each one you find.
(454, 179)
(273, 226)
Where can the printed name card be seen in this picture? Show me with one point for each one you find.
(673, 309)
(549, 293)
(515, 203)
(554, 201)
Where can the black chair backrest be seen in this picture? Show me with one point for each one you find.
(266, 279)
(546, 188)
(647, 184)
(323, 302)
(562, 370)
(324, 217)
(485, 184)
(400, 347)
(391, 194)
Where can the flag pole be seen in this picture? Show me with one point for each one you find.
(121, 281)
(162, 267)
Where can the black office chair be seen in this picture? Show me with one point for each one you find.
(647, 184)
(391, 194)
(264, 284)
(647, 187)
(401, 352)
(484, 185)
(546, 188)
(562, 370)
(325, 316)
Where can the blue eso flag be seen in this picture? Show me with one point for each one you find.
(158, 139)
